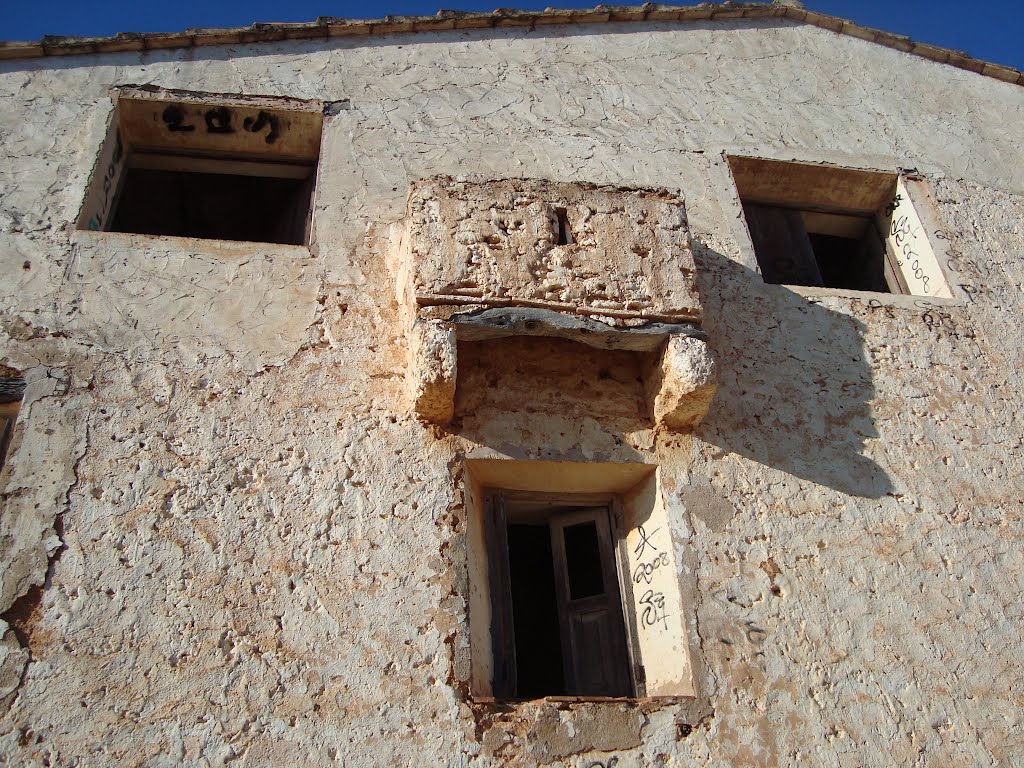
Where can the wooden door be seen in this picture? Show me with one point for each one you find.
(594, 654)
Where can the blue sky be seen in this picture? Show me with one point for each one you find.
(992, 30)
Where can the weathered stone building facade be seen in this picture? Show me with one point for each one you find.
(347, 345)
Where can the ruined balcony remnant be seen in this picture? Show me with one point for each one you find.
(607, 267)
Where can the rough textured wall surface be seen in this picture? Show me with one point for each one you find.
(573, 248)
(224, 540)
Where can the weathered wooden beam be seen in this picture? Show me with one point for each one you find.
(528, 321)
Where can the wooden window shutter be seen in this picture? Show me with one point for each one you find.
(502, 629)
(594, 651)
(782, 247)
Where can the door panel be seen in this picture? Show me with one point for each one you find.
(593, 640)
(594, 654)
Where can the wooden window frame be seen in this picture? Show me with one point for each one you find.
(495, 509)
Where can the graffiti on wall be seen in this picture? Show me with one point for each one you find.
(99, 203)
(652, 552)
(908, 241)
(220, 120)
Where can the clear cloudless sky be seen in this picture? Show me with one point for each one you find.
(992, 30)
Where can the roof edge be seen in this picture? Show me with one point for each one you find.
(326, 27)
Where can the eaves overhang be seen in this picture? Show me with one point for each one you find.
(326, 27)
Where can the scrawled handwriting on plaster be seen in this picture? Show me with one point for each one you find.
(645, 571)
(903, 237)
(893, 205)
(936, 318)
(98, 220)
(218, 120)
(262, 120)
(653, 604)
(644, 542)
(875, 304)
(611, 763)
(970, 291)
(958, 263)
(755, 634)
(174, 117)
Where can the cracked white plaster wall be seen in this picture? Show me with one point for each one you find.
(252, 305)
(265, 558)
(40, 476)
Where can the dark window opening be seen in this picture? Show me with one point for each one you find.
(538, 639)
(847, 262)
(564, 234)
(184, 167)
(583, 560)
(815, 249)
(12, 388)
(213, 205)
(820, 226)
(557, 624)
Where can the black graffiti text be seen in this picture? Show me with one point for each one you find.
(645, 571)
(653, 604)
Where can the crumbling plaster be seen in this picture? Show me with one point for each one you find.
(263, 557)
(519, 257)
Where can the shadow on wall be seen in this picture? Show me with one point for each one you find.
(794, 385)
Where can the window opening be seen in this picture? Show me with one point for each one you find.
(213, 205)
(821, 226)
(538, 639)
(583, 560)
(557, 622)
(237, 171)
(564, 230)
(623, 506)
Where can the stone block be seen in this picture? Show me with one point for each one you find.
(622, 254)
(681, 383)
(432, 371)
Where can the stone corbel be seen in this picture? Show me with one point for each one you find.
(680, 383)
(432, 370)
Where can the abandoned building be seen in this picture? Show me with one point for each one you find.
(636, 386)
